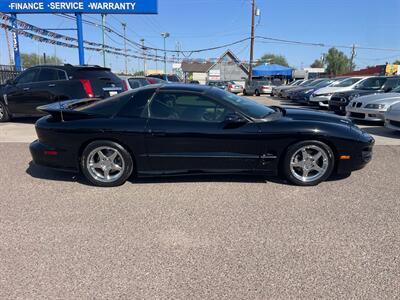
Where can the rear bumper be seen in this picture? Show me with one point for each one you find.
(51, 157)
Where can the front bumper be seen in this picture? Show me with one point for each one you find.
(392, 124)
(322, 101)
(266, 91)
(365, 114)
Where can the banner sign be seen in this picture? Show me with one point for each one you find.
(79, 6)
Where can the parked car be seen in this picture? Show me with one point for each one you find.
(292, 93)
(392, 117)
(257, 87)
(372, 107)
(194, 82)
(45, 84)
(303, 95)
(134, 82)
(154, 80)
(276, 90)
(372, 85)
(165, 77)
(322, 96)
(233, 87)
(217, 83)
(284, 92)
(186, 129)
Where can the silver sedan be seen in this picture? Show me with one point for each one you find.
(392, 117)
(371, 107)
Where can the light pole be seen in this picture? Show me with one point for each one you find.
(165, 35)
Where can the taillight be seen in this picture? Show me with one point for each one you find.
(88, 88)
(125, 84)
(231, 86)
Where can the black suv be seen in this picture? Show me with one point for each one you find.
(372, 85)
(42, 85)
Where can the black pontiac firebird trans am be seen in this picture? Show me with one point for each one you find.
(190, 129)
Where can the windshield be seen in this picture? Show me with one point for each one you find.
(245, 105)
(347, 82)
(374, 83)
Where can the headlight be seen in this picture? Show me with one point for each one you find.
(354, 96)
(375, 106)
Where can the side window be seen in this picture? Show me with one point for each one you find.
(134, 84)
(48, 74)
(135, 106)
(27, 77)
(61, 75)
(187, 107)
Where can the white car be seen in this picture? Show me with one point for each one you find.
(372, 107)
(392, 117)
(322, 96)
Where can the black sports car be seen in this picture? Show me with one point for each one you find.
(181, 129)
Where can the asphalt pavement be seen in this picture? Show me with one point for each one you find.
(204, 237)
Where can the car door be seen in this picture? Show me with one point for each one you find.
(46, 89)
(188, 131)
(20, 94)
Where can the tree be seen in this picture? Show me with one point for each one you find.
(396, 62)
(337, 62)
(317, 64)
(32, 59)
(273, 59)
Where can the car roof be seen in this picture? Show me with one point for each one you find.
(184, 87)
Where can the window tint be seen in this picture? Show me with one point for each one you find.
(109, 106)
(47, 74)
(374, 83)
(347, 82)
(62, 75)
(27, 77)
(134, 83)
(94, 73)
(136, 104)
(187, 107)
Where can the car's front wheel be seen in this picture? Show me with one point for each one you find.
(257, 93)
(308, 163)
(106, 164)
(4, 115)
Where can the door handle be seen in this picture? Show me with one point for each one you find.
(26, 89)
(51, 85)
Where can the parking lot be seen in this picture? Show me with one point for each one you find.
(217, 237)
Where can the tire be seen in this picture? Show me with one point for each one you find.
(4, 114)
(106, 164)
(257, 93)
(318, 165)
(244, 93)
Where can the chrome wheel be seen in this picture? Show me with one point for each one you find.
(1, 111)
(309, 163)
(105, 164)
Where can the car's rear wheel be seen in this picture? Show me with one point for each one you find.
(308, 163)
(257, 92)
(244, 93)
(4, 115)
(106, 164)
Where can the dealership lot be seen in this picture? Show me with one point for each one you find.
(204, 237)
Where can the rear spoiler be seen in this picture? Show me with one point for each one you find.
(68, 109)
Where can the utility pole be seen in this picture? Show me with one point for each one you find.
(165, 35)
(156, 61)
(253, 13)
(144, 57)
(353, 55)
(125, 50)
(103, 27)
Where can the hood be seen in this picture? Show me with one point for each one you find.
(298, 114)
(380, 98)
(347, 94)
(395, 108)
(331, 90)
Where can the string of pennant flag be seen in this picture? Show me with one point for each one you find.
(47, 40)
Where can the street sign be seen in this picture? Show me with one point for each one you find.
(79, 6)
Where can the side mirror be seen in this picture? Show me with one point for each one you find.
(235, 119)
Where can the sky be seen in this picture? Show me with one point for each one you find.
(198, 24)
